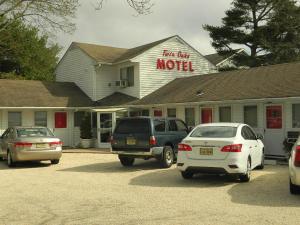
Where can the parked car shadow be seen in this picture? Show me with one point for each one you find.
(24, 165)
(270, 190)
(115, 167)
(172, 178)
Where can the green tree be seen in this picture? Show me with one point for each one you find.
(269, 28)
(26, 54)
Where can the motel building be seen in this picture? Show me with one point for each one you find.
(164, 78)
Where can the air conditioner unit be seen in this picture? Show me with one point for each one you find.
(122, 83)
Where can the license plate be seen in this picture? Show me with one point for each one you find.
(206, 151)
(41, 145)
(130, 141)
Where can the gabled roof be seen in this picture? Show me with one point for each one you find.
(214, 58)
(100, 53)
(106, 54)
(115, 99)
(277, 81)
(30, 93)
(217, 58)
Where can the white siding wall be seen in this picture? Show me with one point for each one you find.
(105, 81)
(69, 135)
(237, 110)
(134, 90)
(77, 67)
(151, 78)
(107, 76)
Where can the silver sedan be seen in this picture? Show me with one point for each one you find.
(29, 144)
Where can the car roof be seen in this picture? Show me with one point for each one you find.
(222, 124)
(22, 127)
(150, 117)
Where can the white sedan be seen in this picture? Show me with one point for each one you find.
(221, 148)
(294, 168)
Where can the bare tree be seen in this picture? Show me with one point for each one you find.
(53, 15)
(140, 6)
(44, 14)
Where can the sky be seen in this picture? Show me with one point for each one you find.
(117, 25)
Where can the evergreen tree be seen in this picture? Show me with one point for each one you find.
(24, 54)
(269, 28)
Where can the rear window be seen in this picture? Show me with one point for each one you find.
(214, 132)
(133, 126)
(34, 132)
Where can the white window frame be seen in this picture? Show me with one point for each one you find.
(225, 106)
(36, 121)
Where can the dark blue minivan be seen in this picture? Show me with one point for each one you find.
(147, 137)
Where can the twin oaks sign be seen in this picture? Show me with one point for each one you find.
(180, 63)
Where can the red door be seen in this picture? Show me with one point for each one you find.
(274, 117)
(158, 113)
(60, 120)
(206, 115)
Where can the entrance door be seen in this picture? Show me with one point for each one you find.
(206, 115)
(274, 132)
(61, 127)
(106, 127)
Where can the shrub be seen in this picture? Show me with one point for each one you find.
(85, 127)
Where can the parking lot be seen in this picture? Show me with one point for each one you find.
(95, 189)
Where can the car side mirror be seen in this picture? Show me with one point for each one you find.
(259, 136)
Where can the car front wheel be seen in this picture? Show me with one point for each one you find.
(246, 177)
(126, 161)
(294, 189)
(55, 161)
(187, 174)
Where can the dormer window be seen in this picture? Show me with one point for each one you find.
(127, 74)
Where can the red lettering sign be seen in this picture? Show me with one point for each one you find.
(160, 64)
(171, 64)
(185, 66)
(191, 67)
(178, 63)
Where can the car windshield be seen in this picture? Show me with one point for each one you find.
(34, 132)
(129, 126)
(214, 132)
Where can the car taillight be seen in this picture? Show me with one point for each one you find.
(232, 148)
(184, 147)
(297, 156)
(22, 144)
(55, 144)
(152, 140)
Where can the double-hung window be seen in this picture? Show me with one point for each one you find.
(127, 74)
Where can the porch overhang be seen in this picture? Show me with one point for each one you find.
(109, 110)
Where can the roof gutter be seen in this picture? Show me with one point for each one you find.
(267, 100)
(33, 107)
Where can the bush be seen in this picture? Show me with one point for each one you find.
(85, 127)
(287, 146)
